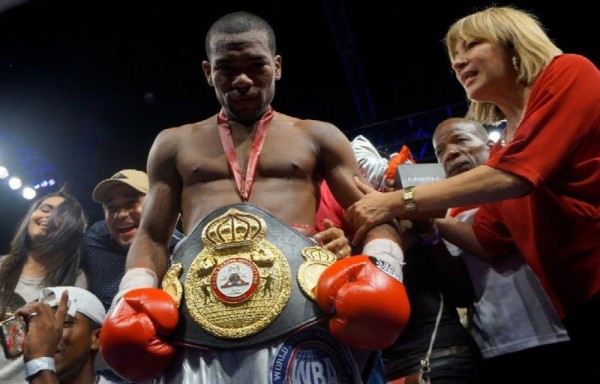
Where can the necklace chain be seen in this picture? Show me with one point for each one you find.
(504, 140)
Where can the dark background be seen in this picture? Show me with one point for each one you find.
(85, 86)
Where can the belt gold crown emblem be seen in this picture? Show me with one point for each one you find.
(240, 282)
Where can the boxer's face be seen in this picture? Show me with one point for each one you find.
(122, 212)
(243, 72)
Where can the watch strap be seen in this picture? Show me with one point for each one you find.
(408, 194)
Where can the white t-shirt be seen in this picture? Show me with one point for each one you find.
(512, 311)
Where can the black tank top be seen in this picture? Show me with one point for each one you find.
(423, 285)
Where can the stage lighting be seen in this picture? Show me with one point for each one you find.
(29, 193)
(44, 184)
(14, 183)
(3, 173)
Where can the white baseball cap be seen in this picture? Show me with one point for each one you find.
(80, 300)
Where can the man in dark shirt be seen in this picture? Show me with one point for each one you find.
(108, 240)
(122, 197)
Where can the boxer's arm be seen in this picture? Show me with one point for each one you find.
(339, 167)
(150, 248)
(364, 293)
(134, 339)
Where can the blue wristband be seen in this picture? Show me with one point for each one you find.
(33, 367)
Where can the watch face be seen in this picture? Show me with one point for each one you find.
(12, 336)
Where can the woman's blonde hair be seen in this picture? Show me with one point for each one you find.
(517, 30)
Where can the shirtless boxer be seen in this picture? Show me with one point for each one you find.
(228, 176)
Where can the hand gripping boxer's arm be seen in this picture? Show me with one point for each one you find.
(364, 293)
(134, 337)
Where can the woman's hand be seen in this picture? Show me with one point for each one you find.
(372, 209)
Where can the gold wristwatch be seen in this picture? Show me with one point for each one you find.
(408, 194)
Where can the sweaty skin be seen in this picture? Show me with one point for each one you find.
(193, 182)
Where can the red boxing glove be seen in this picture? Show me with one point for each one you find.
(131, 339)
(370, 307)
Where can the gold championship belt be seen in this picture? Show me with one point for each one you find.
(243, 277)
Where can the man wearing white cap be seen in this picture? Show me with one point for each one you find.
(62, 338)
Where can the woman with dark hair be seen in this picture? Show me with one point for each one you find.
(45, 251)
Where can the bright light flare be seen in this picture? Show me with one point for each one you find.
(29, 193)
(494, 135)
(15, 183)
